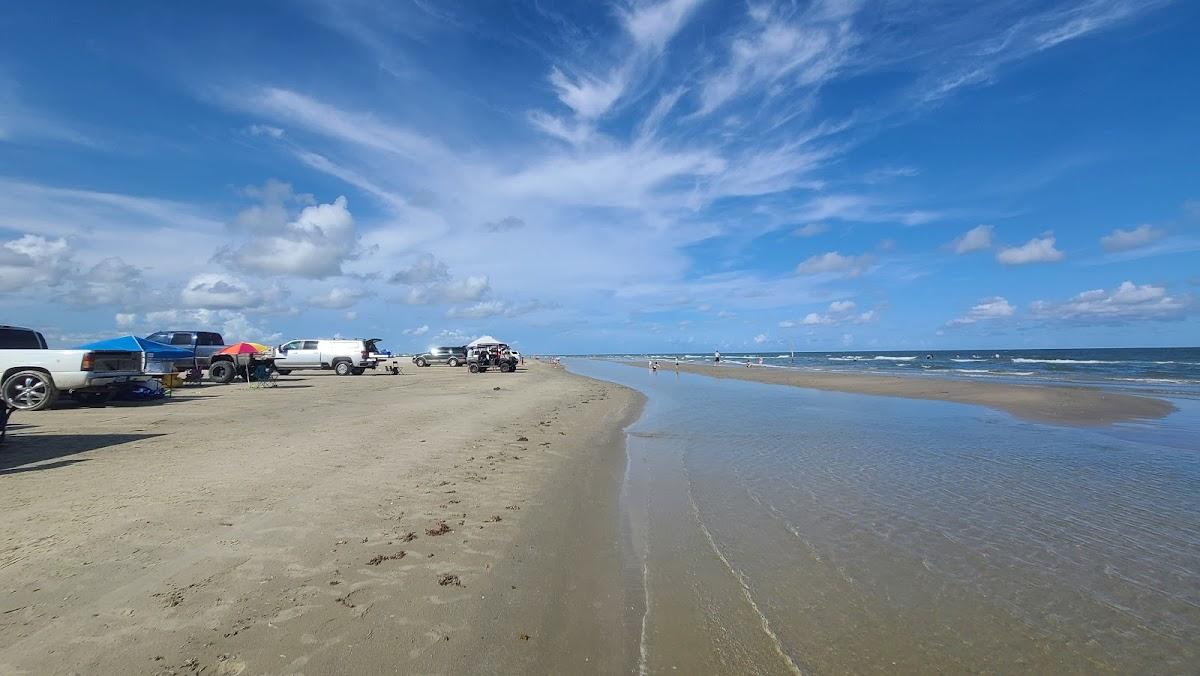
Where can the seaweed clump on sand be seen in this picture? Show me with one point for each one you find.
(440, 529)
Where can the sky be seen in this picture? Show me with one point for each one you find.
(629, 176)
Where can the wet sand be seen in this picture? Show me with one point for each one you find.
(1082, 406)
(421, 523)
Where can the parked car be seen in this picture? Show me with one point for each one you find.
(451, 356)
(33, 376)
(203, 344)
(480, 358)
(345, 357)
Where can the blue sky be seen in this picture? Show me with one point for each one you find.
(578, 177)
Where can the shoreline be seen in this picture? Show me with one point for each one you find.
(296, 529)
(1064, 405)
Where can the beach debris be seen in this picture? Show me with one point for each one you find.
(512, 507)
(447, 579)
(344, 601)
(493, 519)
(524, 637)
(380, 558)
(522, 438)
(334, 583)
(409, 537)
(496, 389)
(440, 529)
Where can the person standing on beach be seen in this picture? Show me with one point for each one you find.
(716, 357)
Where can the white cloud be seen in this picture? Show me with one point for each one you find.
(495, 308)
(841, 306)
(760, 339)
(1037, 250)
(834, 263)
(805, 52)
(416, 331)
(811, 230)
(265, 130)
(337, 298)
(654, 24)
(975, 239)
(425, 270)
(987, 309)
(504, 224)
(1123, 240)
(453, 291)
(213, 291)
(232, 325)
(589, 96)
(313, 246)
(1128, 302)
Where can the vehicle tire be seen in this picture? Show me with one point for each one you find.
(473, 368)
(422, 362)
(222, 372)
(342, 368)
(505, 368)
(358, 371)
(283, 372)
(452, 362)
(92, 398)
(30, 391)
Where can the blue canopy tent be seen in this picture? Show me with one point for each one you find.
(157, 358)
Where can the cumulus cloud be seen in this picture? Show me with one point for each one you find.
(839, 312)
(32, 260)
(337, 298)
(417, 330)
(1037, 250)
(987, 309)
(1124, 240)
(212, 290)
(810, 230)
(1128, 302)
(834, 263)
(232, 325)
(111, 281)
(449, 291)
(314, 245)
(425, 270)
(975, 239)
(760, 339)
(495, 308)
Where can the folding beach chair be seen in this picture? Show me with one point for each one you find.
(264, 376)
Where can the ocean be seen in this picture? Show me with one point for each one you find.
(777, 529)
(1171, 371)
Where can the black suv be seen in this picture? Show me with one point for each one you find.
(451, 356)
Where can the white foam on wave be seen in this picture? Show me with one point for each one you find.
(1022, 360)
(845, 359)
(967, 360)
(878, 358)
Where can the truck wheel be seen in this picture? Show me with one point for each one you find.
(221, 372)
(283, 372)
(92, 398)
(452, 362)
(422, 362)
(505, 368)
(473, 368)
(342, 368)
(30, 391)
(358, 371)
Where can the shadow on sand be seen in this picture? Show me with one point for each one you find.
(25, 449)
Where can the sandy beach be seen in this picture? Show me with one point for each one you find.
(1083, 406)
(431, 522)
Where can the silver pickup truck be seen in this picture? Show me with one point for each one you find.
(32, 376)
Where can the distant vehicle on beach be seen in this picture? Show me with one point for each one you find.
(450, 356)
(34, 375)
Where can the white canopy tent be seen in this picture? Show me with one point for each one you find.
(484, 340)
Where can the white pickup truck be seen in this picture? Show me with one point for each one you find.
(32, 376)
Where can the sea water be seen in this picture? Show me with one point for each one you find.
(780, 529)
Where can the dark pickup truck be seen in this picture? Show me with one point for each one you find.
(203, 344)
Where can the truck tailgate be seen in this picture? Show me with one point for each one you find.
(110, 362)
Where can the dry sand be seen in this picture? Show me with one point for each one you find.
(290, 530)
(1063, 405)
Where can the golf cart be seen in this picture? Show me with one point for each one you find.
(482, 357)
